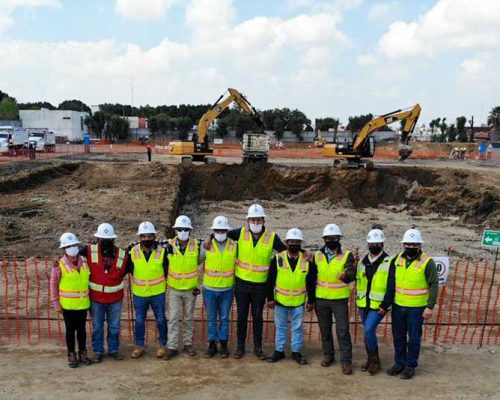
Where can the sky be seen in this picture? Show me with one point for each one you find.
(326, 58)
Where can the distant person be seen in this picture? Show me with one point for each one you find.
(481, 151)
(31, 151)
(489, 150)
(149, 150)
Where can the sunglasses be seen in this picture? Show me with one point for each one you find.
(182, 229)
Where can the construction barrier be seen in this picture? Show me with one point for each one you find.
(466, 313)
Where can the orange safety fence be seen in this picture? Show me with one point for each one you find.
(466, 313)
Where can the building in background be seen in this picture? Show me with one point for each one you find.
(64, 123)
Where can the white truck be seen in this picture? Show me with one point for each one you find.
(12, 139)
(255, 147)
(42, 140)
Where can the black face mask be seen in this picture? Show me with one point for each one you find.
(147, 243)
(332, 244)
(411, 252)
(375, 248)
(294, 248)
(107, 244)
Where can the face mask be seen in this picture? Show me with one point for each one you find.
(183, 235)
(411, 252)
(294, 248)
(148, 243)
(255, 228)
(107, 244)
(332, 244)
(72, 251)
(375, 248)
(220, 237)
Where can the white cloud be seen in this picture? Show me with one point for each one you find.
(449, 25)
(367, 59)
(7, 7)
(382, 11)
(143, 9)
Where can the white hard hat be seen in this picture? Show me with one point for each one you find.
(68, 239)
(375, 236)
(294, 234)
(105, 231)
(183, 221)
(412, 236)
(221, 223)
(146, 228)
(332, 230)
(256, 211)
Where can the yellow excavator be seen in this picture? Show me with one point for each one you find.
(350, 155)
(198, 148)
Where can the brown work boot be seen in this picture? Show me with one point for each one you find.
(190, 350)
(138, 352)
(160, 353)
(328, 360)
(374, 366)
(346, 367)
(170, 353)
(366, 365)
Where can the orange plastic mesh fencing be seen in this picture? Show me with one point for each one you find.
(466, 313)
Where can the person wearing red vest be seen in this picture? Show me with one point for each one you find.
(107, 264)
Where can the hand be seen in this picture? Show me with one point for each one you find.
(59, 314)
(427, 313)
(207, 242)
(196, 291)
(308, 256)
(341, 276)
(271, 304)
(309, 307)
(381, 311)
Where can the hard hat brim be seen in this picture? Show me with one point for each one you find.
(68, 245)
(104, 237)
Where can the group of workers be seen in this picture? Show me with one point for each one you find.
(253, 265)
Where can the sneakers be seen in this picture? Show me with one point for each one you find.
(160, 353)
(259, 353)
(170, 353)
(299, 358)
(346, 368)
(408, 373)
(277, 356)
(72, 360)
(224, 352)
(190, 350)
(138, 352)
(328, 360)
(211, 349)
(115, 356)
(83, 358)
(97, 358)
(395, 370)
(239, 353)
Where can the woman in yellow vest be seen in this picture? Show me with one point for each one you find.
(288, 283)
(373, 276)
(416, 291)
(218, 282)
(69, 284)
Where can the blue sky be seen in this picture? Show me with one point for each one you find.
(328, 58)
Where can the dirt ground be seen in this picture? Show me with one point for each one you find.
(41, 372)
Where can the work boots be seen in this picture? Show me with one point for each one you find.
(327, 360)
(299, 358)
(277, 356)
(374, 367)
(224, 352)
(211, 350)
(365, 366)
(240, 352)
(162, 350)
(189, 349)
(72, 360)
(83, 358)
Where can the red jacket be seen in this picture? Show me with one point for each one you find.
(106, 286)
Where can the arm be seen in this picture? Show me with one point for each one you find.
(234, 234)
(391, 286)
(129, 266)
(278, 245)
(432, 279)
(55, 278)
(350, 270)
(312, 275)
(83, 252)
(165, 264)
(271, 279)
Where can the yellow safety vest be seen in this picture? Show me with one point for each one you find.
(412, 289)
(219, 267)
(290, 288)
(183, 268)
(328, 285)
(74, 285)
(378, 286)
(253, 261)
(149, 277)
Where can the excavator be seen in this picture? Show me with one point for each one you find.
(350, 155)
(198, 149)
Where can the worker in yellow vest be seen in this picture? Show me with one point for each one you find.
(218, 283)
(333, 269)
(416, 291)
(184, 257)
(373, 275)
(288, 283)
(69, 287)
(256, 245)
(148, 264)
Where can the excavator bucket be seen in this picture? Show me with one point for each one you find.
(405, 151)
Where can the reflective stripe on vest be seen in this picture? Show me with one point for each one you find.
(253, 261)
(412, 289)
(148, 277)
(74, 285)
(219, 267)
(378, 286)
(183, 268)
(290, 288)
(328, 285)
(106, 289)
(94, 256)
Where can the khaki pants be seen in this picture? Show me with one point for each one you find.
(177, 299)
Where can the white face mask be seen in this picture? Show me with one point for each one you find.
(72, 251)
(220, 237)
(255, 228)
(183, 235)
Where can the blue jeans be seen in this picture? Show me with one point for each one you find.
(370, 319)
(141, 305)
(281, 320)
(407, 331)
(218, 304)
(111, 312)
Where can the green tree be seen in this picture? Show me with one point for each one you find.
(73, 105)
(184, 125)
(242, 125)
(451, 133)
(434, 124)
(117, 128)
(462, 133)
(279, 128)
(222, 128)
(494, 118)
(357, 122)
(36, 106)
(9, 108)
(96, 123)
(443, 126)
(325, 124)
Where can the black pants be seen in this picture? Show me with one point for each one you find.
(75, 323)
(149, 156)
(339, 309)
(246, 296)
